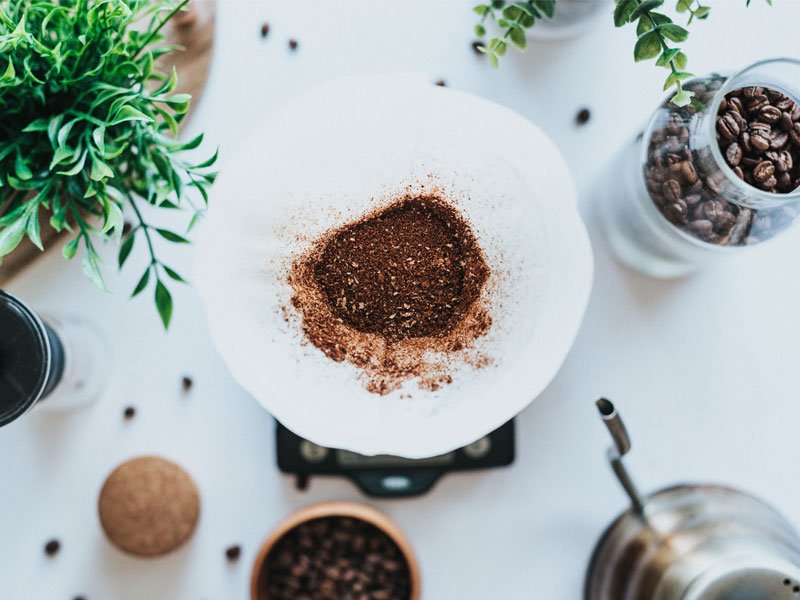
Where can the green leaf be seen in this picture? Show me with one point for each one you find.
(11, 236)
(125, 249)
(702, 12)
(129, 113)
(674, 32)
(482, 9)
(71, 248)
(172, 237)
(10, 73)
(91, 268)
(667, 56)
(37, 125)
(77, 167)
(22, 170)
(682, 98)
(32, 228)
(173, 274)
(623, 12)
(163, 303)
(480, 30)
(142, 283)
(683, 5)
(648, 46)
(517, 37)
(645, 7)
(548, 7)
(100, 170)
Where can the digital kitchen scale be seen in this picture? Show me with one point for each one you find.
(390, 476)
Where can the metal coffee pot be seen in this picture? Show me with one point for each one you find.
(691, 542)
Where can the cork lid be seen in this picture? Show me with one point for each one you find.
(149, 506)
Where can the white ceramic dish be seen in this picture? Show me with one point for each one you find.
(329, 158)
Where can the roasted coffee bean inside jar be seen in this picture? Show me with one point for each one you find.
(757, 131)
(335, 558)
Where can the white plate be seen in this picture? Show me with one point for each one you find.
(330, 157)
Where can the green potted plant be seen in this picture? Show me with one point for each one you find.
(89, 129)
(656, 32)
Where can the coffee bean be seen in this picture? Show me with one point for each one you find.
(733, 154)
(264, 29)
(752, 91)
(794, 134)
(756, 103)
(689, 173)
(476, 47)
(727, 127)
(293, 43)
(187, 383)
(701, 227)
(778, 140)
(52, 547)
(769, 114)
(129, 412)
(440, 82)
(763, 171)
(786, 122)
(232, 553)
(583, 116)
(739, 173)
(671, 189)
(735, 105)
(759, 142)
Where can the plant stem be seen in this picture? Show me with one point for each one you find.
(673, 67)
(160, 26)
(145, 228)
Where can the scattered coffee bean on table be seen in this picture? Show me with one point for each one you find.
(753, 131)
(335, 558)
(232, 553)
(476, 47)
(441, 82)
(264, 29)
(583, 116)
(129, 413)
(293, 44)
(52, 547)
(390, 290)
(187, 383)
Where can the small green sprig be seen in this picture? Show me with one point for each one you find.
(654, 32)
(89, 127)
(515, 18)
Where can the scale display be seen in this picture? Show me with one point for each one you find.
(390, 476)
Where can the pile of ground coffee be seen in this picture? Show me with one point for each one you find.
(335, 558)
(402, 273)
(389, 289)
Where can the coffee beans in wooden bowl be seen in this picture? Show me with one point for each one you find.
(712, 187)
(336, 551)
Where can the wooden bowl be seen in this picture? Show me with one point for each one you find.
(338, 509)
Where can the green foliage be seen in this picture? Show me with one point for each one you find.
(654, 32)
(88, 128)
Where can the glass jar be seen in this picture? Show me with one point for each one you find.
(56, 362)
(712, 178)
(572, 18)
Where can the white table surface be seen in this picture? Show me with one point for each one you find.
(705, 370)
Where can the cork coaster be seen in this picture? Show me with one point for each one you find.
(149, 506)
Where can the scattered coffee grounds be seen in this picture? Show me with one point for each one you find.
(441, 83)
(335, 558)
(293, 44)
(129, 413)
(186, 383)
(583, 116)
(52, 547)
(385, 292)
(758, 135)
(264, 29)
(232, 553)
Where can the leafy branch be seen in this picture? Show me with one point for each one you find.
(89, 128)
(657, 35)
(654, 31)
(515, 19)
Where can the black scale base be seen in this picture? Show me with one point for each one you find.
(390, 476)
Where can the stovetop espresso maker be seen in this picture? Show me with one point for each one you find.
(691, 542)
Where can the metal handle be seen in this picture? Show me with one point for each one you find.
(622, 445)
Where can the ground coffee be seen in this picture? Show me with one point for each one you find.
(390, 289)
(402, 273)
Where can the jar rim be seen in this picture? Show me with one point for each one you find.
(761, 197)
